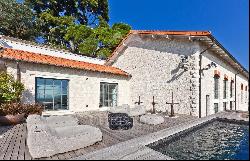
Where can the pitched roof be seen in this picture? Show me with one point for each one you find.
(157, 32)
(25, 56)
(19, 44)
(114, 55)
(203, 36)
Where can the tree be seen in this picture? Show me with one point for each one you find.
(84, 12)
(78, 25)
(97, 42)
(16, 20)
(54, 28)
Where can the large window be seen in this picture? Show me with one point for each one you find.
(52, 93)
(216, 87)
(108, 94)
(225, 89)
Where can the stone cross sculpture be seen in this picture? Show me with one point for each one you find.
(139, 102)
(172, 105)
(154, 103)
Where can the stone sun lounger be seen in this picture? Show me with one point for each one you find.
(58, 134)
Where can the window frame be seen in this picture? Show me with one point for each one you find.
(216, 84)
(225, 88)
(242, 94)
(102, 104)
(231, 89)
(45, 78)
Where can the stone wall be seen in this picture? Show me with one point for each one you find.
(84, 86)
(155, 68)
(154, 64)
(208, 85)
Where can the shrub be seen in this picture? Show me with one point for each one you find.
(10, 89)
(18, 108)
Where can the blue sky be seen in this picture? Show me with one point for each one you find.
(228, 20)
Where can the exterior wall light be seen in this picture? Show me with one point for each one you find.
(184, 62)
(211, 65)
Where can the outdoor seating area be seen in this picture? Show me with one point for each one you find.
(64, 137)
(58, 134)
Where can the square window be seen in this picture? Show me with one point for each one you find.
(108, 94)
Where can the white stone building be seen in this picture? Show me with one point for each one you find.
(203, 76)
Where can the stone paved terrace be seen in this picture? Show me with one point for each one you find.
(136, 149)
(13, 138)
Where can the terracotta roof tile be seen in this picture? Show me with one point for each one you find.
(156, 32)
(62, 62)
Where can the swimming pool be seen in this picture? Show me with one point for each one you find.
(214, 140)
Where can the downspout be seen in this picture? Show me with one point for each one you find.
(200, 71)
(18, 72)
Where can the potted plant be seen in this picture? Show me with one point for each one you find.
(11, 110)
(15, 113)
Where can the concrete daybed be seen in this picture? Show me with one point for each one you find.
(58, 134)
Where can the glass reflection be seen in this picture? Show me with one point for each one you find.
(52, 93)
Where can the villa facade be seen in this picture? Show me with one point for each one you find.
(202, 75)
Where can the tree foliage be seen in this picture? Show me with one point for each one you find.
(54, 16)
(97, 42)
(85, 12)
(78, 25)
(16, 20)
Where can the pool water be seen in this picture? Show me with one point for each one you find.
(214, 141)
